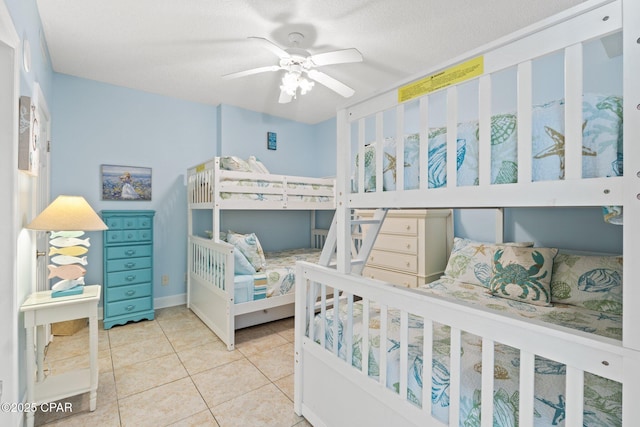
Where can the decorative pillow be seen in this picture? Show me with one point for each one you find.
(523, 274)
(233, 163)
(592, 282)
(471, 261)
(256, 165)
(241, 264)
(250, 247)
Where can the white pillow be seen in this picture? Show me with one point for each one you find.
(256, 165)
(233, 163)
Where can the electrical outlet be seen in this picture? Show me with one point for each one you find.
(165, 280)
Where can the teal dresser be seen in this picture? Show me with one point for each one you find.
(128, 267)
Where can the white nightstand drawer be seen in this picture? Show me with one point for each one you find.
(408, 280)
(391, 242)
(402, 262)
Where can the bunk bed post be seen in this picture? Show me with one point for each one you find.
(499, 225)
(631, 235)
(343, 215)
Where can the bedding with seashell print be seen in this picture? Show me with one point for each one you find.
(602, 397)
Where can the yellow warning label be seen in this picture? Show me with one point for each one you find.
(200, 168)
(461, 72)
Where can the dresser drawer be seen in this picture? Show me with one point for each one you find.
(128, 251)
(128, 292)
(128, 277)
(407, 226)
(114, 223)
(129, 306)
(405, 263)
(396, 278)
(128, 236)
(128, 264)
(395, 243)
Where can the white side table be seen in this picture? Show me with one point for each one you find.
(40, 309)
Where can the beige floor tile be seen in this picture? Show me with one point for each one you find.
(201, 419)
(275, 363)
(141, 351)
(225, 382)
(63, 347)
(134, 332)
(182, 339)
(131, 379)
(176, 312)
(60, 366)
(286, 385)
(258, 339)
(181, 324)
(161, 406)
(207, 356)
(105, 415)
(266, 406)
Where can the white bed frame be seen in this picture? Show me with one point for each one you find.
(330, 392)
(210, 295)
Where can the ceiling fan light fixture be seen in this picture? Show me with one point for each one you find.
(291, 81)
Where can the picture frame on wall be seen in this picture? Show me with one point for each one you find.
(272, 140)
(125, 182)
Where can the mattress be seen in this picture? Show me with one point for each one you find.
(603, 398)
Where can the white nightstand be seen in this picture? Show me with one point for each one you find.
(40, 309)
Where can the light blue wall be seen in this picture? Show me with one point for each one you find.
(96, 123)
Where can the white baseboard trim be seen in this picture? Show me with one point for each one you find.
(162, 302)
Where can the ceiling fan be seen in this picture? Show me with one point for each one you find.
(299, 64)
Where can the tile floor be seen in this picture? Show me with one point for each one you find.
(173, 371)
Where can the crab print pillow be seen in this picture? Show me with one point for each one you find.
(523, 274)
(470, 261)
(592, 282)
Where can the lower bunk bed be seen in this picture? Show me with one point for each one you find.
(485, 355)
(226, 292)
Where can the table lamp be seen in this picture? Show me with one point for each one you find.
(67, 218)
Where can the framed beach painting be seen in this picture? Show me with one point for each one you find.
(125, 182)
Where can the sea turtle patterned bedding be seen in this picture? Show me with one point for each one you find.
(602, 397)
(601, 151)
(281, 268)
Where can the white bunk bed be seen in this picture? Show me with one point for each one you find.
(211, 283)
(344, 376)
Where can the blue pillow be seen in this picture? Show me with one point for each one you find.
(241, 263)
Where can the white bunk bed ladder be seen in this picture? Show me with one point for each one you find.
(360, 251)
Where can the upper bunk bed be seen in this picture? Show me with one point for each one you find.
(533, 119)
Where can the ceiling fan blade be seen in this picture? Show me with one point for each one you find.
(331, 83)
(337, 57)
(280, 53)
(285, 98)
(251, 71)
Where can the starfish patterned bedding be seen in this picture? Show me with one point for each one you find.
(601, 151)
(586, 296)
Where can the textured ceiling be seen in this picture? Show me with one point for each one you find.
(182, 48)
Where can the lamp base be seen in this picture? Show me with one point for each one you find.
(76, 290)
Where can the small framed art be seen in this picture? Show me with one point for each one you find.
(272, 140)
(125, 182)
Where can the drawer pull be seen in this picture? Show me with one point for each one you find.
(130, 292)
(408, 245)
(130, 264)
(408, 264)
(129, 236)
(130, 307)
(131, 277)
(129, 224)
(130, 252)
(408, 227)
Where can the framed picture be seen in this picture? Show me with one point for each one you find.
(272, 140)
(125, 182)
